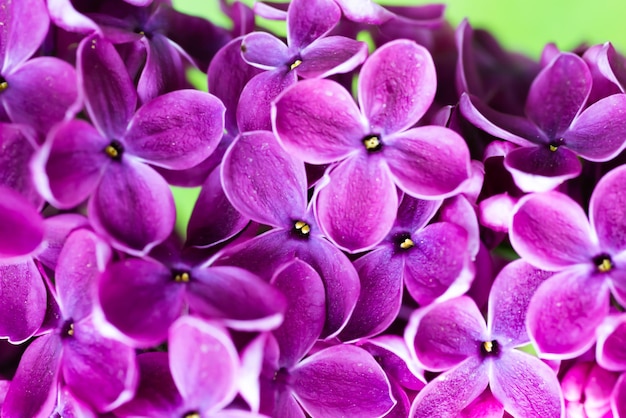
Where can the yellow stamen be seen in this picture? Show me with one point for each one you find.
(70, 331)
(488, 346)
(303, 227)
(605, 265)
(182, 277)
(3, 86)
(407, 243)
(553, 148)
(371, 143)
(111, 151)
(295, 64)
(192, 415)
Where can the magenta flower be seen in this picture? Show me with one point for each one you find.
(552, 232)
(372, 149)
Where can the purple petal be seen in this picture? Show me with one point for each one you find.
(237, 297)
(438, 265)
(342, 380)
(58, 228)
(110, 97)
(130, 184)
(508, 301)
(565, 312)
(397, 85)
(92, 361)
(598, 133)
(176, 130)
(34, 387)
(308, 20)
(558, 94)
(22, 228)
(539, 169)
(264, 50)
(23, 296)
(452, 391)
(414, 214)
(442, 335)
(365, 11)
(25, 24)
(526, 386)
(306, 311)
(610, 351)
(618, 398)
(257, 97)
(204, 363)
(64, 15)
(485, 406)
(606, 210)
(41, 93)
(379, 302)
(363, 219)
(69, 166)
(16, 142)
(551, 232)
(164, 70)
(128, 293)
(331, 55)
(318, 121)
(461, 211)
(263, 181)
(428, 162)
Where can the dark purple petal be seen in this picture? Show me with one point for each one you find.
(607, 210)
(442, 335)
(551, 232)
(16, 143)
(23, 296)
(110, 96)
(598, 133)
(257, 97)
(204, 363)
(41, 93)
(70, 164)
(558, 93)
(331, 55)
(58, 229)
(308, 20)
(508, 301)
(414, 214)
(264, 50)
(33, 390)
(610, 352)
(438, 266)
(357, 208)
(539, 169)
(397, 85)
(526, 386)
(306, 311)
(237, 297)
(342, 380)
(565, 312)
(141, 298)
(22, 228)
(130, 184)
(427, 162)
(25, 24)
(318, 121)
(263, 181)
(92, 361)
(452, 391)
(380, 299)
(164, 70)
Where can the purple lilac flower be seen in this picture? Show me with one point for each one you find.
(552, 232)
(451, 337)
(587, 389)
(373, 148)
(557, 127)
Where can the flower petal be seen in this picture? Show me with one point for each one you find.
(163, 71)
(177, 130)
(610, 352)
(25, 24)
(16, 143)
(607, 210)
(526, 386)
(342, 380)
(551, 232)
(428, 162)
(357, 208)
(331, 55)
(618, 398)
(318, 121)
(264, 50)
(22, 227)
(397, 85)
(305, 26)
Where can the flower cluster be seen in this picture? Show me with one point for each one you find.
(397, 217)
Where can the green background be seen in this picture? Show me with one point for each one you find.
(524, 26)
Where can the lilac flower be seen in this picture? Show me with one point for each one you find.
(318, 121)
(552, 232)
(587, 390)
(107, 162)
(557, 128)
(451, 337)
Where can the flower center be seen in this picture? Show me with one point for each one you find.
(295, 64)
(553, 146)
(192, 414)
(603, 263)
(181, 276)
(372, 143)
(301, 229)
(3, 84)
(67, 330)
(490, 348)
(114, 150)
(403, 241)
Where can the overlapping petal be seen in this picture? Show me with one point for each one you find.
(607, 210)
(303, 27)
(264, 50)
(25, 24)
(16, 142)
(610, 352)
(22, 227)
(331, 55)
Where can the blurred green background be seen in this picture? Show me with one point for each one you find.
(524, 26)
